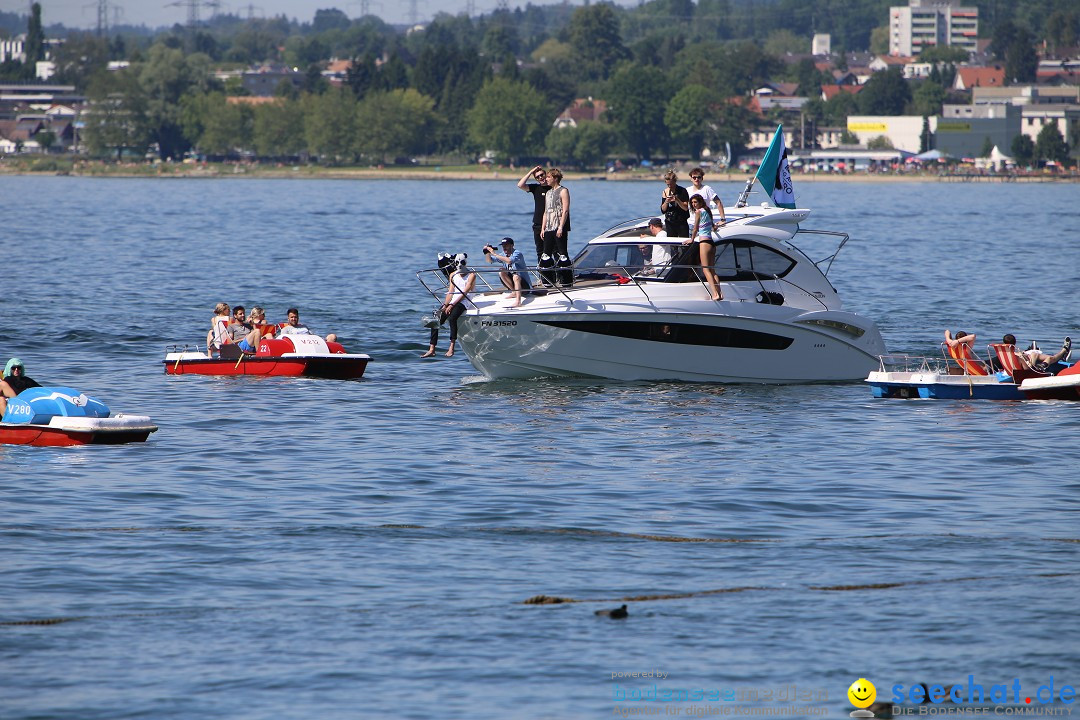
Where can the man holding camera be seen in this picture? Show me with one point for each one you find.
(516, 275)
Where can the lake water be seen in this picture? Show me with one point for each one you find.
(296, 548)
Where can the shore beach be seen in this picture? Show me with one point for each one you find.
(83, 168)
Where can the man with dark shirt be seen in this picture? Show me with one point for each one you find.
(538, 189)
(14, 382)
(675, 204)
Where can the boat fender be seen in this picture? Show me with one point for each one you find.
(770, 298)
(36, 406)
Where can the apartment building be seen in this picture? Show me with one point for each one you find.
(929, 23)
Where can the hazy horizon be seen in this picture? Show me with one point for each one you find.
(157, 13)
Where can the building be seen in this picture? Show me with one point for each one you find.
(822, 44)
(13, 49)
(1039, 105)
(581, 110)
(968, 78)
(903, 131)
(931, 23)
(962, 130)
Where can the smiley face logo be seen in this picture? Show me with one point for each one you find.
(862, 693)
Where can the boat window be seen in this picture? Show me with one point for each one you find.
(744, 260)
(611, 258)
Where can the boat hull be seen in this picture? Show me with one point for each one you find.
(1058, 387)
(936, 386)
(65, 432)
(661, 346)
(337, 367)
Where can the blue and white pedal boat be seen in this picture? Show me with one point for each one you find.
(907, 376)
(59, 416)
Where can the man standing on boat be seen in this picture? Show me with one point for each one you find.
(537, 190)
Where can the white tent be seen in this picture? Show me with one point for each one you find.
(997, 160)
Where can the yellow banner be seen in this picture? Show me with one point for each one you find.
(867, 126)
(953, 126)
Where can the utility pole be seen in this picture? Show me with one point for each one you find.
(251, 8)
(414, 14)
(103, 18)
(365, 6)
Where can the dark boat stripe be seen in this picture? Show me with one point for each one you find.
(677, 333)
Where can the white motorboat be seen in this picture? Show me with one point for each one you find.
(780, 319)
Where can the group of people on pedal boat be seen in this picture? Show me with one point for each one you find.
(246, 329)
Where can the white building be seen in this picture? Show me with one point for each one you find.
(903, 131)
(822, 44)
(930, 23)
(13, 49)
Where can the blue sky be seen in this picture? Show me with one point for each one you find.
(83, 13)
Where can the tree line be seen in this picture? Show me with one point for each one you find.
(676, 76)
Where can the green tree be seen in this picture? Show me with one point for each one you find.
(881, 142)
(509, 117)
(278, 129)
(165, 77)
(839, 106)
(116, 115)
(595, 39)
(1021, 61)
(928, 98)
(987, 147)
(729, 124)
(879, 40)
(943, 54)
(885, 93)
(688, 116)
(35, 37)
(330, 126)
(79, 58)
(637, 100)
(926, 138)
(1061, 29)
(1004, 35)
(45, 140)
(1050, 145)
(783, 42)
(227, 126)
(1023, 150)
(584, 146)
(398, 122)
(332, 19)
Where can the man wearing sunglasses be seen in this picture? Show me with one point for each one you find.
(537, 189)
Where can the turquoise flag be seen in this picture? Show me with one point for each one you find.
(774, 173)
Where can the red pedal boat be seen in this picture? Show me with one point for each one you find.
(290, 355)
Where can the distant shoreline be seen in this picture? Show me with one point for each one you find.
(225, 171)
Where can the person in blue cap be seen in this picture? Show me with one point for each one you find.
(14, 382)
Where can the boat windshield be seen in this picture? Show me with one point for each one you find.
(632, 258)
(674, 262)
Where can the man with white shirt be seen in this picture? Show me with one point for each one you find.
(697, 176)
(660, 256)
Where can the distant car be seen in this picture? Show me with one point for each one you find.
(485, 161)
(406, 161)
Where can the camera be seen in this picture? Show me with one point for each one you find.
(488, 249)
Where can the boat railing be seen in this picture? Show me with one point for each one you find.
(488, 280)
(913, 364)
(843, 238)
